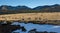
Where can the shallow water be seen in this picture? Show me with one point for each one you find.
(29, 26)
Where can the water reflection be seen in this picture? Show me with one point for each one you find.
(29, 26)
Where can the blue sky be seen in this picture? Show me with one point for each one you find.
(29, 3)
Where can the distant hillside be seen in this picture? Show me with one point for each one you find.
(47, 8)
(5, 9)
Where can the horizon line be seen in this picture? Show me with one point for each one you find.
(28, 6)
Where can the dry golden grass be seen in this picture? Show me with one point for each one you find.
(32, 16)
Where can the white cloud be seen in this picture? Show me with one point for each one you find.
(56, 27)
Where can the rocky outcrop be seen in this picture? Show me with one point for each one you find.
(34, 31)
(8, 28)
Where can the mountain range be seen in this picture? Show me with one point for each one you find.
(5, 9)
